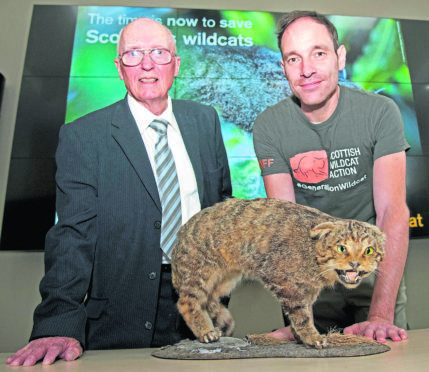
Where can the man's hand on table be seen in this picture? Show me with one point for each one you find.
(48, 349)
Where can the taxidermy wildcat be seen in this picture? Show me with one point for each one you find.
(294, 250)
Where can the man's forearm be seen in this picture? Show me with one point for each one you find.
(395, 224)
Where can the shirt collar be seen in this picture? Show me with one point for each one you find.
(145, 117)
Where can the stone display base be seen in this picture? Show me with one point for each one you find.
(234, 348)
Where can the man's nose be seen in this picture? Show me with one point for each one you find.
(307, 68)
(146, 63)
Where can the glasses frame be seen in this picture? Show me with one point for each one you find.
(147, 51)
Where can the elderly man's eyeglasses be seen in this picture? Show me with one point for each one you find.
(134, 57)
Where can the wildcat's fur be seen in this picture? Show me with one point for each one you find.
(294, 250)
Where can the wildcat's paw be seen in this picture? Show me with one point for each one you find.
(211, 336)
(318, 342)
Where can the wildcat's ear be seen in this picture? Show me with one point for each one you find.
(323, 229)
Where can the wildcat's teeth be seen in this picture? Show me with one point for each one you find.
(351, 275)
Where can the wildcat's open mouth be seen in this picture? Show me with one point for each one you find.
(350, 277)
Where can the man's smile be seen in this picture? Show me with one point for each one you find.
(148, 80)
(310, 85)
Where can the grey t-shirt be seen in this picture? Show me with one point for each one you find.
(331, 163)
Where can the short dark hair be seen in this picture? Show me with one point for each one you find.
(291, 17)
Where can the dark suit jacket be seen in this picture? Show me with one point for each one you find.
(106, 245)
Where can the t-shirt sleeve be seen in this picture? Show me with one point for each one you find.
(389, 131)
(267, 147)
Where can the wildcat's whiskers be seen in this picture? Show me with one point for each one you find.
(323, 273)
(379, 272)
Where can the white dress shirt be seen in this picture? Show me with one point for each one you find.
(185, 173)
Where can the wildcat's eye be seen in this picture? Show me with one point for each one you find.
(341, 249)
(369, 251)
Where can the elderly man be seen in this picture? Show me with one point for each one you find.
(342, 151)
(128, 176)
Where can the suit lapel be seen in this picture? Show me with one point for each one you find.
(127, 135)
(189, 130)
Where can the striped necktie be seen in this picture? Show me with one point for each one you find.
(168, 188)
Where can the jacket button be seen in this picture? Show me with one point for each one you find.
(157, 224)
(148, 325)
(152, 275)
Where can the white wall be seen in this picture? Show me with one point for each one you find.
(20, 272)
